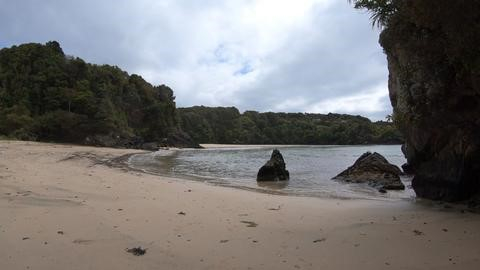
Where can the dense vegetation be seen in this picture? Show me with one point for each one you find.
(46, 95)
(227, 125)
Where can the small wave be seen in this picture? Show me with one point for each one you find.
(311, 169)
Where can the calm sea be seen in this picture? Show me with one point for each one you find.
(311, 168)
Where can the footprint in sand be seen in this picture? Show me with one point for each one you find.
(275, 209)
(249, 223)
(82, 241)
(319, 240)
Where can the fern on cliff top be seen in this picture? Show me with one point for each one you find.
(380, 10)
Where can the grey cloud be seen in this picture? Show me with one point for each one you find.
(206, 54)
(340, 57)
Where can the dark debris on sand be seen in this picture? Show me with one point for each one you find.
(137, 251)
(417, 232)
(319, 240)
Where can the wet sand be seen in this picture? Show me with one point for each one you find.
(66, 207)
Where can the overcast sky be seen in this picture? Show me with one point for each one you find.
(315, 56)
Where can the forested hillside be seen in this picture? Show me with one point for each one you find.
(48, 96)
(228, 125)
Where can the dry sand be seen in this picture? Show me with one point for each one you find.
(60, 208)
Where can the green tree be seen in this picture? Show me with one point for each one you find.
(227, 125)
(44, 93)
(380, 10)
(15, 121)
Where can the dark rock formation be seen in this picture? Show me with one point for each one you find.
(175, 139)
(274, 169)
(374, 170)
(114, 141)
(407, 169)
(434, 83)
(180, 139)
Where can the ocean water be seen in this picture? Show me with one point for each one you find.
(311, 169)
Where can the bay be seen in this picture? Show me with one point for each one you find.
(311, 169)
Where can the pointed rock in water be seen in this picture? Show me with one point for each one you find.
(274, 169)
(374, 170)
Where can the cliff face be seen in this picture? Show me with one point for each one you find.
(433, 51)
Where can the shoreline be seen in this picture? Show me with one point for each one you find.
(361, 192)
(254, 146)
(59, 212)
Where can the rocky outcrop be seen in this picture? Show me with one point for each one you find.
(274, 169)
(434, 84)
(407, 169)
(180, 139)
(374, 170)
(175, 139)
(115, 141)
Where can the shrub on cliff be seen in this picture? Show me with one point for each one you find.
(381, 10)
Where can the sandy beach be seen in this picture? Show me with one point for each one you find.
(63, 207)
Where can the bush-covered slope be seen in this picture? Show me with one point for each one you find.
(46, 95)
(227, 125)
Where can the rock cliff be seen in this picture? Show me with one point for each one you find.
(433, 51)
